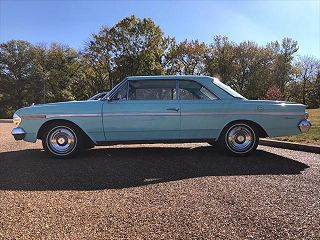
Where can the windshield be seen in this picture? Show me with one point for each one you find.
(227, 89)
(98, 96)
(115, 88)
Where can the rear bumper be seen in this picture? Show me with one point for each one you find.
(304, 125)
(18, 133)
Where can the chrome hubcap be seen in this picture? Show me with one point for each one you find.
(240, 138)
(62, 140)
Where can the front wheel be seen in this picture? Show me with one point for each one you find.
(239, 139)
(61, 141)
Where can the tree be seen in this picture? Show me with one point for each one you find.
(306, 73)
(305, 86)
(60, 66)
(96, 65)
(18, 75)
(40, 73)
(252, 70)
(245, 66)
(220, 59)
(317, 88)
(282, 64)
(132, 47)
(138, 47)
(186, 58)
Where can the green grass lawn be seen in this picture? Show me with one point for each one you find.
(311, 137)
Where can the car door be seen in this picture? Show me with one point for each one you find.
(198, 105)
(143, 110)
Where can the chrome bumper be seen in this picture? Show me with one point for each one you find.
(304, 125)
(18, 133)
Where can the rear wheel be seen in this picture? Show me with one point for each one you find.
(239, 139)
(61, 140)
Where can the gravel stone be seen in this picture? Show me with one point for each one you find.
(160, 191)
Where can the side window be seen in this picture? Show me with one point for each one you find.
(190, 90)
(152, 90)
(121, 93)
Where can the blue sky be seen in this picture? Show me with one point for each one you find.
(73, 22)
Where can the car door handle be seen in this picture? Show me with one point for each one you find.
(173, 109)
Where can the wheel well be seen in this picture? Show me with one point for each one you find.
(261, 131)
(61, 121)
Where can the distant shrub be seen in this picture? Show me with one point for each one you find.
(274, 93)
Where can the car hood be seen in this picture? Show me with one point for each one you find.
(63, 108)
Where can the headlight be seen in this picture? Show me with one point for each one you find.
(306, 115)
(16, 120)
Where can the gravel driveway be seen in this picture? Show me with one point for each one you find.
(176, 191)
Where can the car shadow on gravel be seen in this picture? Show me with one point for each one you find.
(114, 168)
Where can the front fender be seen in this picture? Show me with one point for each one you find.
(87, 115)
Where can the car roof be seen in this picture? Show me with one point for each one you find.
(168, 77)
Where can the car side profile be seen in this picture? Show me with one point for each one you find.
(153, 109)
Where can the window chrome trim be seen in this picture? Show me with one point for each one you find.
(190, 80)
(114, 90)
(162, 79)
(126, 81)
(119, 89)
(224, 90)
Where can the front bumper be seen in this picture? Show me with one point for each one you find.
(304, 125)
(18, 133)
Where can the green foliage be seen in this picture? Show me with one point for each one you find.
(35, 74)
(305, 85)
(185, 58)
(18, 75)
(60, 66)
(132, 47)
(221, 59)
(283, 55)
(138, 47)
(38, 73)
(95, 66)
(246, 67)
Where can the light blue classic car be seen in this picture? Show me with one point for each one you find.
(151, 109)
